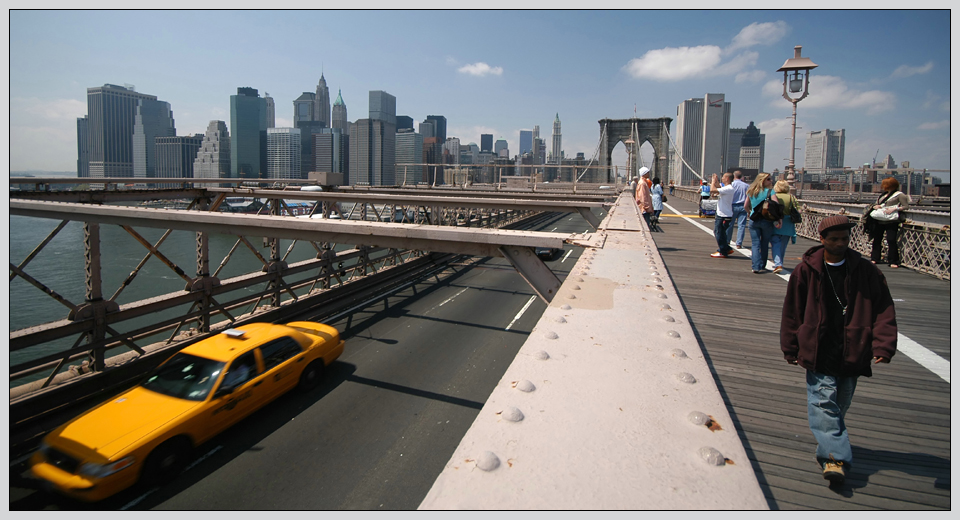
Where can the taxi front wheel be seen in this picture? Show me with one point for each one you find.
(311, 375)
(166, 461)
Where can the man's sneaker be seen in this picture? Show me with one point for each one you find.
(777, 269)
(739, 246)
(834, 471)
(718, 254)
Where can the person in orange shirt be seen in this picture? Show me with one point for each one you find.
(644, 200)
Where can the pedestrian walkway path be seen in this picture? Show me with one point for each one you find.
(900, 418)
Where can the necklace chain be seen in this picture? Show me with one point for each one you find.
(832, 286)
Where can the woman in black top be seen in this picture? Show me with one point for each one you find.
(891, 197)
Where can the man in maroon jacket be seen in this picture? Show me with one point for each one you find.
(837, 315)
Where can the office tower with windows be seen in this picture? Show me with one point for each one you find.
(372, 153)
(501, 148)
(175, 158)
(383, 107)
(751, 150)
(404, 122)
(111, 117)
(432, 155)
(322, 103)
(451, 150)
(332, 152)
(307, 131)
(486, 142)
(83, 151)
(213, 157)
(440, 127)
(283, 153)
(824, 150)
(339, 115)
(248, 134)
(526, 142)
(154, 119)
(304, 107)
(409, 156)
(271, 111)
(732, 157)
(703, 128)
(428, 129)
(556, 153)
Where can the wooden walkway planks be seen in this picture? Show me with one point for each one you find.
(900, 418)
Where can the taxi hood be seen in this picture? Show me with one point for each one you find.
(113, 426)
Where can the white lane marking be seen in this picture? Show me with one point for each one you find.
(566, 255)
(925, 357)
(586, 230)
(552, 230)
(524, 309)
(452, 297)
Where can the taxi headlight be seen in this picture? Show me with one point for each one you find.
(102, 470)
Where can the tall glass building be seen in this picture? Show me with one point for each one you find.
(283, 153)
(111, 116)
(248, 134)
(526, 141)
(154, 119)
(175, 157)
(339, 115)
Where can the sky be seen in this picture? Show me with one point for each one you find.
(883, 76)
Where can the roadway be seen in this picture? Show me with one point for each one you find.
(419, 364)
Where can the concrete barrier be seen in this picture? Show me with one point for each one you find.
(609, 404)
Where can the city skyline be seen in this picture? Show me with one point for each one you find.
(890, 94)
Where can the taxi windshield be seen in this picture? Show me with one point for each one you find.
(184, 376)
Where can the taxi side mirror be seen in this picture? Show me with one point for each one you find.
(225, 389)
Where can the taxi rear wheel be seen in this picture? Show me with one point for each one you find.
(166, 461)
(311, 375)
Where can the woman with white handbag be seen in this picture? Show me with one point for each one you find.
(888, 213)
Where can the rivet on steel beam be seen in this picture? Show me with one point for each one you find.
(666, 307)
(698, 418)
(656, 279)
(662, 296)
(669, 318)
(678, 353)
(559, 319)
(525, 386)
(571, 296)
(566, 307)
(579, 279)
(673, 334)
(541, 355)
(576, 287)
(512, 414)
(654, 273)
(550, 334)
(488, 461)
(712, 456)
(686, 378)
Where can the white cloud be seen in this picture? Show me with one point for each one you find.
(759, 34)
(752, 76)
(934, 125)
(675, 63)
(833, 92)
(905, 71)
(49, 109)
(738, 63)
(480, 69)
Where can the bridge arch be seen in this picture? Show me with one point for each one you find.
(653, 131)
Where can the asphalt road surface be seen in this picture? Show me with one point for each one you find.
(418, 366)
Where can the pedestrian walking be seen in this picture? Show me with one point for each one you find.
(671, 187)
(761, 231)
(787, 231)
(656, 196)
(837, 315)
(739, 212)
(891, 204)
(723, 221)
(644, 201)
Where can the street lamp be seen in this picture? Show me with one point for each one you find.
(796, 77)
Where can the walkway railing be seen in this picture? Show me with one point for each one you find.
(924, 246)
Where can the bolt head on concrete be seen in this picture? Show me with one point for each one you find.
(488, 461)
(512, 414)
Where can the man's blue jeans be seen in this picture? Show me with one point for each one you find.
(740, 218)
(828, 399)
(721, 231)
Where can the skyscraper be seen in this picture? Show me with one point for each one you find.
(322, 104)
(751, 150)
(83, 150)
(409, 152)
(383, 107)
(428, 129)
(271, 111)
(824, 149)
(501, 148)
(307, 130)
(154, 119)
(248, 134)
(556, 154)
(283, 153)
(304, 107)
(175, 157)
(332, 152)
(404, 122)
(340, 115)
(486, 142)
(111, 116)
(703, 128)
(440, 127)
(526, 142)
(732, 157)
(213, 157)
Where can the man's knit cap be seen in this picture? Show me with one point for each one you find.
(834, 222)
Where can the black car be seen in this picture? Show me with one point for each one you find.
(548, 253)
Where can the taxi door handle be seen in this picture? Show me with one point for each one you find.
(258, 383)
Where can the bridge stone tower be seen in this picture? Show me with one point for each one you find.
(654, 131)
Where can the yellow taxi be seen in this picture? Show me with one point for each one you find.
(149, 432)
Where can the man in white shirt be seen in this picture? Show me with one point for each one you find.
(724, 218)
(739, 212)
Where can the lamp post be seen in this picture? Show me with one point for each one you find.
(796, 77)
